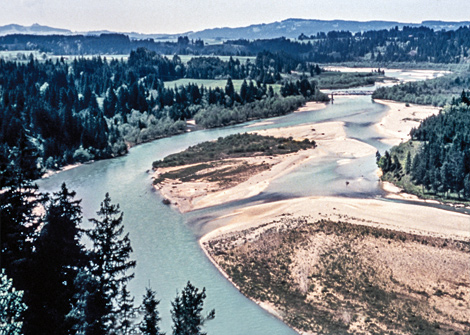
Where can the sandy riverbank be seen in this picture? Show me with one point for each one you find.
(331, 138)
(49, 173)
(417, 219)
(396, 125)
(311, 106)
(409, 218)
(331, 142)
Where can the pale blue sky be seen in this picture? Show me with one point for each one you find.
(177, 16)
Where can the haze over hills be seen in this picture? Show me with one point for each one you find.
(290, 28)
(35, 29)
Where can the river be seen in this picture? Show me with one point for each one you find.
(165, 242)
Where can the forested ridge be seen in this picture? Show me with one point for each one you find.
(410, 44)
(436, 161)
(69, 111)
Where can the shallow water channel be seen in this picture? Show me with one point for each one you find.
(165, 242)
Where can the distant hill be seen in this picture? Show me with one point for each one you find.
(290, 28)
(35, 29)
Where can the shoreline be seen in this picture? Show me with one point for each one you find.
(50, 172)
(331, 141)
(394, 127)
(397, 123)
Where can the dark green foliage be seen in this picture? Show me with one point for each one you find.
(109, 264)
(11, 307)
(408, 163)
(438, 158)
(88, 306)
(126, 315)
(151, 319)
(436, 92)
(57, 257)
(85, 109)
(304, 87)
(341, 80)
(232, 146)
(186, 311)
(219, 116)
(18, 199)
(410, 44)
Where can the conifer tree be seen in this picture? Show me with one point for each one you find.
(55, 263)
(126, 314)
(109, 263)
(150, 322)
(11, 307)
(186, 311)
(408, 163)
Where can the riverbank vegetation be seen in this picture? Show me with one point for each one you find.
(338, 278)
(437, 92)
(217, 162)
(235, 146)
(435, 163)
(86, 109)
(339, 80)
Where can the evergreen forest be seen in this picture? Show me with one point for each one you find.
(52, 284)
(436, 161)
(69, 111)
(437, 91)
(410, 44)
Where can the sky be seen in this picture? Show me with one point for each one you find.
(178, 16)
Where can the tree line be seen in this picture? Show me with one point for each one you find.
(437, 91)
(409, 44)
(438, 156)
(52, 284)
(85, 109)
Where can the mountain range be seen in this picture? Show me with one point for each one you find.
(290, 28)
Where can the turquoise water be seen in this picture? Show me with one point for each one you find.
(165, 242)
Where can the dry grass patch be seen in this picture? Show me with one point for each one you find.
(337, 278)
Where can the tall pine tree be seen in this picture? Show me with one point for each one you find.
(109, 265)
(150, 322)
(186, 311)
(57, 258)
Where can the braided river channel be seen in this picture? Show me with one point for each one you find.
(165, 242)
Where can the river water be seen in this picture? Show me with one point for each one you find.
(165, 242)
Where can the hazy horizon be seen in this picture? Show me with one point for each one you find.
(163, 17)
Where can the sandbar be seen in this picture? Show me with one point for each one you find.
(331, 141)
(400, 118)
